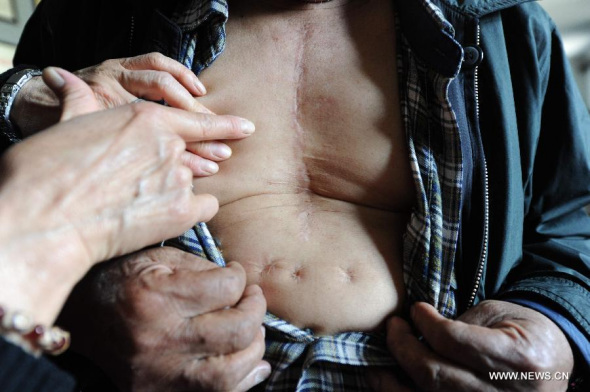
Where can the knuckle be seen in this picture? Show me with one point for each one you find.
(206, 124)
(204, 372)
(111, 63)
(155, 59)
(165, 80)
(200, 148)
(242, 333)
(177, 177)
(532, 360)
(438, 334)
(145, 111)
(199, 107)
(103, 92)
(429, 377)
(196, 373)
(491, 307)
(192, 160)
(206, 148)
(234, 124)
(173, 148)
(229, 285)
(145, 342)
(183, 177)
(181, 211)
(135, 304)
(221, 378)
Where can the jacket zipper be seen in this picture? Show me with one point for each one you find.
(484, 247)
(131, 33)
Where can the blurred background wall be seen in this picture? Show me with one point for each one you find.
(573, 19)
(13, 16)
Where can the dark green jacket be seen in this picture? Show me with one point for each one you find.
(525, 234)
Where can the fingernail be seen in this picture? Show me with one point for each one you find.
(263, 330)
(200, 86)
(53, 78)
(221, 151)
(261, 375)
(247, 127)
(210, 167)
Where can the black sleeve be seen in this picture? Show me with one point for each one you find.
(75, 34)
(21, 372)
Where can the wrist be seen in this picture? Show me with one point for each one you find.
(36, 282)
(8, 93)
(36, 98)
(38, 265)
(36, 224)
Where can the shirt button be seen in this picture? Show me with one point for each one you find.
(472, 56)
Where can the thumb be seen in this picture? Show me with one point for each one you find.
(428, 321)
(75, 96)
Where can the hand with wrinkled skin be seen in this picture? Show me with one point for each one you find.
(117, 82)
(95, 187)
(202, 155)
(166, 320)
(494, 336)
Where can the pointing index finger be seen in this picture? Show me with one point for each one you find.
(194, 127)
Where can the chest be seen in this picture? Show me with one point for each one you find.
(322, 91)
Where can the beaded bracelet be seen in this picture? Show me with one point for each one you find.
(35, 338)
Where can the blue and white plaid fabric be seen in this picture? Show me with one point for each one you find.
(302, 361)
(201, 243)
(433, 138)
(203, 24)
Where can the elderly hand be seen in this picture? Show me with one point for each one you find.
(115, 82)
(95, 187)
(166, 320)
(494, 336)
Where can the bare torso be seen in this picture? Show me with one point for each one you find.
(315, 203)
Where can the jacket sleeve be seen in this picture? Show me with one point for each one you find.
(21, 372)
(554, 137)
(75, 34)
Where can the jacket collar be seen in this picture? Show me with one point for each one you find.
(432, 37)
(479, 8)
(188, 15)
(422, 21)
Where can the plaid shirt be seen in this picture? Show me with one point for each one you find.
(302, 361)
(203, 25)
(432, 132)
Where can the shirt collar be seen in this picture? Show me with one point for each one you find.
(430, 35)
(189, 15)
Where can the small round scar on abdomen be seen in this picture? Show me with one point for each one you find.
(347, 274)
(270, 265)
(297, 273)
